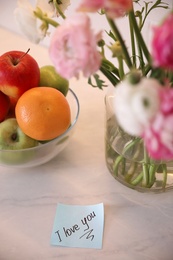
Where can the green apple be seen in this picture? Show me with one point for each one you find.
(12, 138)
(50, 78)
(17, 157)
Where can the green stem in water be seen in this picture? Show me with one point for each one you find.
(131, 172)
(145, 178)
(152, 174)
(146, 157)
(137, 180)
(119, 159)
(132, 143)
(145, 168)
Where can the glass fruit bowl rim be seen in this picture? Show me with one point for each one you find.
(56, 138)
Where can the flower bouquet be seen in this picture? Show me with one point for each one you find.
(139, 124)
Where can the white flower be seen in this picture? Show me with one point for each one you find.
(49, 8)
(146, 101)
(27, 21)
(136, 105)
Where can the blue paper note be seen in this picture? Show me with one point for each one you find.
(78, 226)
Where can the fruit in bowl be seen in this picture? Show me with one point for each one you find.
(4, 106)
(19, 72)
(12, 137)
(43, 152)
(40, 126)
(43, 113)
(49, 77)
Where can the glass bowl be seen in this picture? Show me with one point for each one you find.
(46, 151)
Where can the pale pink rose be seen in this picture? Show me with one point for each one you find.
(113, 8)
(162, 44)
(73, 47)
(158, 137)
(91, 6)
(117, 8)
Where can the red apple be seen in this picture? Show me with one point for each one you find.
(4, 106)
(18, 72)
(11, 112)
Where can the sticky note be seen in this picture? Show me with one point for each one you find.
(78, 226)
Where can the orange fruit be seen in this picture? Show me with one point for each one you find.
(43, 113)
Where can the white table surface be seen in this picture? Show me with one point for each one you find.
(137, 226)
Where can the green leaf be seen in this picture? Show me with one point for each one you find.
(99, 83)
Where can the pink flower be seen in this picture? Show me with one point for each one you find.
(117, 8)
(73, 47)
(91, 6)
(162, 44)
(113, 8)
(158, 137)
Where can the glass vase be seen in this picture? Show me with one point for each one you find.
(127, 159)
